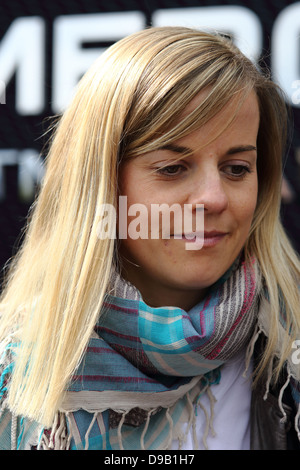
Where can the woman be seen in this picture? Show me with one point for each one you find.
(141, 343)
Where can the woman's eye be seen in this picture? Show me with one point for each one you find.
(171, 170)
(237, 171)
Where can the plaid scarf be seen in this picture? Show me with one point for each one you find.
(145, 369)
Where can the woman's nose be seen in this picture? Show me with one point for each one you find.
(209, 189)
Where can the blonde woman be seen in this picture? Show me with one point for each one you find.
(140, 342)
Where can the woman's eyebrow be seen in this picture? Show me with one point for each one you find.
(240, 148)
(177, 149)
(186, 151)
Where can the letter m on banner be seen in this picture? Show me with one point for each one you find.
(2, 92)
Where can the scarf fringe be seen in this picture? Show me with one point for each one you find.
(120, 430)
(191, 423)
(60, 436)
(86, 437)
(142, 442)
(249, 354)
(209, 416)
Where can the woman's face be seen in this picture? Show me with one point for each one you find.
(220, 173)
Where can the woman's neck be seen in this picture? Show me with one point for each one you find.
(165, 296)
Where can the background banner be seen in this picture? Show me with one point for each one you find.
(45, 47)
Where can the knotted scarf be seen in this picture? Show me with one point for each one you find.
(146, 368)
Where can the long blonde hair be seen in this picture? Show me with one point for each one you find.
(128, 103)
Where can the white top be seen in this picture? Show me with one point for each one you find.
(231, 420)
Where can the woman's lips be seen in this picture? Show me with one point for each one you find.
(211, 238)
